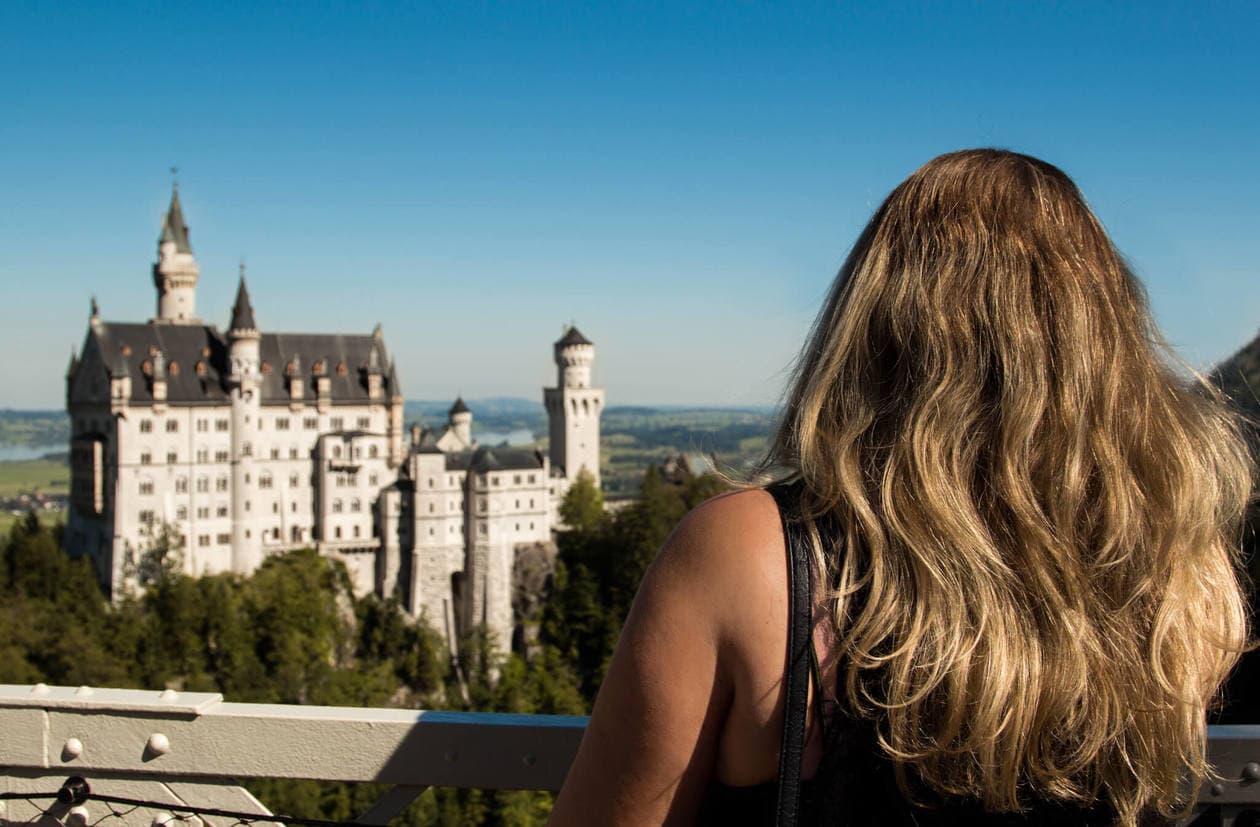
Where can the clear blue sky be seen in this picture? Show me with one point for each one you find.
(681, 181)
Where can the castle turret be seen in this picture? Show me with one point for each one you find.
(175, 273)
(574, 408)
(460, 418)
(396, 405)
(244, 374)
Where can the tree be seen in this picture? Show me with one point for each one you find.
(582, 508)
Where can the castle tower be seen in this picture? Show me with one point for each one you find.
(244, 376)
(175, 272)
(460, 418)
(574, 407)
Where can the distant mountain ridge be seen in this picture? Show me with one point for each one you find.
(1238, 377)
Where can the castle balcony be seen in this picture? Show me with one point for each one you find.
(116, 757)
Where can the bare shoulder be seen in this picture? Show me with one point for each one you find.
(728, 552)
(738, 528)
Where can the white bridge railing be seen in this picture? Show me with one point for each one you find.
(183, 753)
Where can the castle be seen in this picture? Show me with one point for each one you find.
(246, 444)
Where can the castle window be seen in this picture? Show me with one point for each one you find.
(221, 484)
(337, 533)
(293, 506)
(173, 368)
(336, 506)
(181, 513)
(221, 424)
(373, 452)
(146, 517)
(266, 368)
(181, 485)
(220, 456)
(481, 529)
(146, 487)
(172, 426)
(516, 479)
(125, 350)
(481, 505)
(531, 526)
(337, 451)
(203, 485)
(310, 423)
(246, 450)
(224, 539)
(531, 479)
(357, 452)
(203, 513)
(293, 454)
(203, 455)
(518, 526)
(293, 480)
(282, 423)
(296, 534)
(430, 482)
(531, 502)
(336, 423)
(201, 368)
(494, 480)
(146, 426)
(518, 504)
(171, 457)
(275, 534)
(146, 458)
(356, 531)
(431, 507)
(355, 505)
(221, 511)
(275, 452)
(275, 508)
(264, 481)
(203, 540)
(430, 531)
(341, 368)
(203, 425)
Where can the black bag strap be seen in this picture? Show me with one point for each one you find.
(796, 680)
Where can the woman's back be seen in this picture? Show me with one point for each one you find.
(1024, 516)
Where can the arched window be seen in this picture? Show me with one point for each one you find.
(372, 451)
(336, 506)
(336, 450)
(355, 505)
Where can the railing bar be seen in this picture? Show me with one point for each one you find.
(393, 802)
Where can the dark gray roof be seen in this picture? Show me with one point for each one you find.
(573, 337)
(242, 310)
(459, 406)
(499, 459)
(125, 347)
(173, 226)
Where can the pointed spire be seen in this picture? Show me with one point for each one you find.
(74, 363)
(173, 227)
(96, 308)
(395, 389)
(459, 407)
(242, 311)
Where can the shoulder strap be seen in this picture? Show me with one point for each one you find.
(796, 680)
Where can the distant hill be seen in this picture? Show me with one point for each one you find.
(35, 429)
(1239, 378)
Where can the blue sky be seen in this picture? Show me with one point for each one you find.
(682, 181)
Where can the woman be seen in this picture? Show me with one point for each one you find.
(1023, 522)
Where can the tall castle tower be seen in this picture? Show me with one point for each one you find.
(175, 272)
(244, 380)
(574, 407)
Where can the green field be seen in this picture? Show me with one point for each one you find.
(46, 518)
(41, 476)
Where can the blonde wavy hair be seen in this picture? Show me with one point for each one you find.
(1039, 506)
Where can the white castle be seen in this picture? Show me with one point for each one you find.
(247, 444)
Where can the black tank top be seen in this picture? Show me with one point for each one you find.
(856, 786)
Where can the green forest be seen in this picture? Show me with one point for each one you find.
(294, 633)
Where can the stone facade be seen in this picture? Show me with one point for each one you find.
(245, 444)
